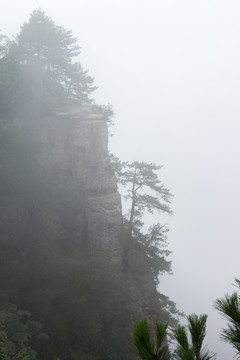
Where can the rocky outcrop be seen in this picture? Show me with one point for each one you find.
(76, 143)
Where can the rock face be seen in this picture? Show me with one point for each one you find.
(76, 142)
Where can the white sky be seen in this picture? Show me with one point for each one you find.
(171, 70)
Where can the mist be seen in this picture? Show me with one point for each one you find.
(171, 71)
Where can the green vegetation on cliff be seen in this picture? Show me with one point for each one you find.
(57, 299)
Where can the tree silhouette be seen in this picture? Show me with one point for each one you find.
(144, 189)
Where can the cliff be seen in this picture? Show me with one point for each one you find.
(60, 212)
(59, 207)
(76, 142)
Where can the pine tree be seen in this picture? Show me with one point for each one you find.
(229, 307)
(144, 189)
(38, 70)
(193, 350)
(147, 348)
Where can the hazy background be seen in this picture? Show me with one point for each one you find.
(171, 70)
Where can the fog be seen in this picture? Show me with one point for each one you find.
(171, 70)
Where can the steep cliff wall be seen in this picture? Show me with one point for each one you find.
(76, 142)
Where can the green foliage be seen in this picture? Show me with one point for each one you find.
(168, 312)
(147, 193)
(16, 334)
(148, 349)
(38, 71)
(229, 307)
(193, 350)
(51, 48)
(156, 350)
(145, 190)
(155, 243)
(140, 178)
(4, 345)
